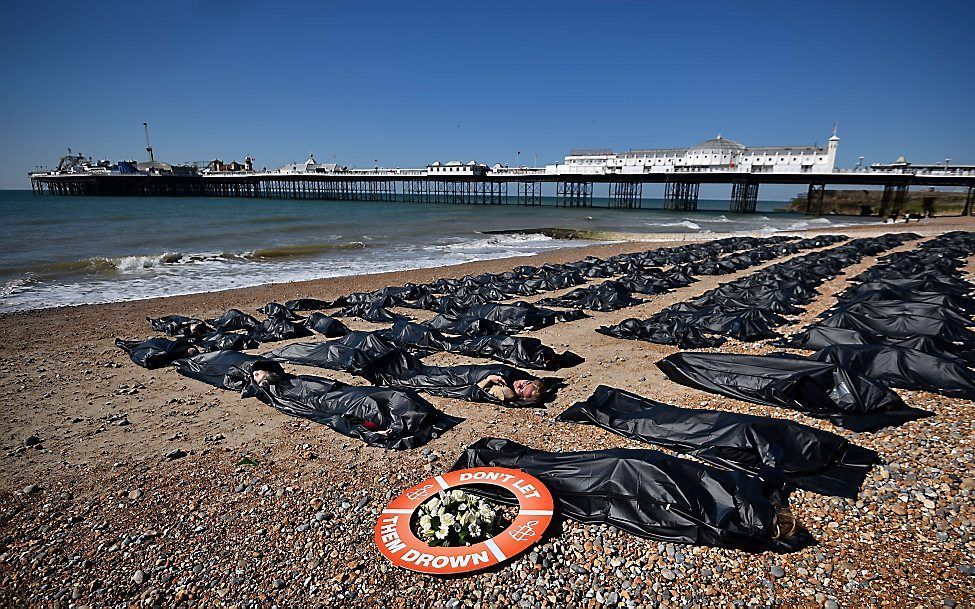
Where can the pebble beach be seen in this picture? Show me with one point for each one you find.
(126, 487)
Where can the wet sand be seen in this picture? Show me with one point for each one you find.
(96, 514)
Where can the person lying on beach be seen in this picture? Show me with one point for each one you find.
(379, 361)
(491, 383)
(524, 390)
(264, 378)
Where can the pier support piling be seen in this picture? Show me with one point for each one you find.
(573, 194)
(969, 201)
(744, 197)
(893, 200)
(814, 198)
(626, 195)
(681, 196)
(529, 193)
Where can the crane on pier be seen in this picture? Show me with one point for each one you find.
(148, 147)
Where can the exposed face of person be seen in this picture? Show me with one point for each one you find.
(526, 390)
(259, 376)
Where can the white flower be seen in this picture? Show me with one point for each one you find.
(458, 495)
(485, 513)
(425, 522)
(474, 529)
(447, 519)
(433, 505)
(461, 507)
(442, 532)
(467, 518)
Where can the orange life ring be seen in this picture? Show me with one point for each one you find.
(403, 548)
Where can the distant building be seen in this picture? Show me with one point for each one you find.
(456, 168)
(218, 166)
(717, 154)
(309, 166)
(902, 165)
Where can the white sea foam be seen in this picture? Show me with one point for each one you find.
(15, 286)
(133, 263)
(203, 273)
(808, 223)
(512, 240)
(685, 223)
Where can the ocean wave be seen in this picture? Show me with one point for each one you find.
(136, 263)
(302, 251)
(808, 223)
(171, 280)
(684, 223)
(499, 241)
(15, 286)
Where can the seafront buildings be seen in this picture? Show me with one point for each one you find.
(717, 154)
(714, 155)
(569, 183)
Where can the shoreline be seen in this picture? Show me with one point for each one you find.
(620, 242)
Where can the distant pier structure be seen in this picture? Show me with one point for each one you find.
(573, 181)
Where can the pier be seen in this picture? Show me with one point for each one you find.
(511, 187)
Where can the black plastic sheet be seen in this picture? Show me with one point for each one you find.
(274, 329)
(276, 310)
(750, 308)
(308, 304)
(662, 332)
(224, 341)
(818, 389)
(457, 382)
(466, 326)
(904, 368)
(329, 327)
(224, 369)
(774, 449)
(886, 308)
(352, 353)
(234, 319)
(379, 416)
(521, 351)
(511, 319)
(156, 352)
(906, 290)
(179, 325)
(649, 494)
(369, 311)
(607, 296)
(419, 338)
(902, 325)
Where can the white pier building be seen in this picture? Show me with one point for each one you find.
(714, 155)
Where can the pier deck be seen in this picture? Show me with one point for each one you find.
(510, 188)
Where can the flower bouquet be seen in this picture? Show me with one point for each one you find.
(456, 518)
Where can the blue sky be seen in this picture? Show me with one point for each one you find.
(407, 83)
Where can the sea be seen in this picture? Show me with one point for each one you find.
(75, 250)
